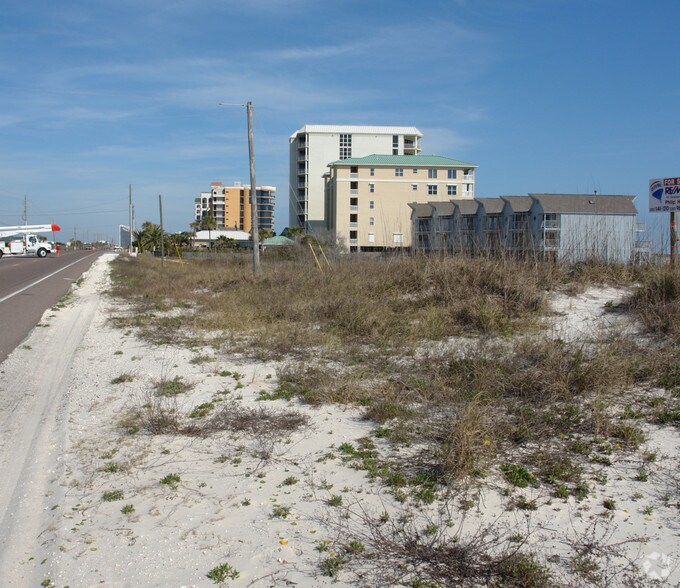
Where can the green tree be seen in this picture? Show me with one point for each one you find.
(222, 242)
(208, 223)
(265, 234)
(293, 232)
(149, 237)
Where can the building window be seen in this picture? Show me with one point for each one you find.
(371, 237)
(414, 187)
(451, 190)
(395, 144)
(432, 189)
(371, 220)
(372, 171)
(452, 174)
(397, 237)
(432, 173)
(354, 202)
(399, 171)
(371, 204)
(415, 170)
(345, 146)
(371, 188)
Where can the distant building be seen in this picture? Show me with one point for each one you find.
(208, 239)
(368, 197)
(124, 236)
(565, 227)
(313, 147)
(230, 206)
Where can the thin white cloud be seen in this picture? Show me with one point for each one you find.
(444, 141)
(7, 120)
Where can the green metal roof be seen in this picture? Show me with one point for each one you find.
(404, 161)
(277, 240)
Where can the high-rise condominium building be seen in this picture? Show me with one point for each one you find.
(313, 147)
(230, 206)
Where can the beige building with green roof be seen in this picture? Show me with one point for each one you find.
(313, 146)
(367, 198)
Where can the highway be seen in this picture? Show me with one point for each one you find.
(31, 285)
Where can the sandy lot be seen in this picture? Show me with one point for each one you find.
(86, 502)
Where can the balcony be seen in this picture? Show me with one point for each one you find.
(354, 225)
(354, 208)
(302, 156)
(551, 224)
(354, 191)
(302, 184)
(468, 178)
(354, 241)
(354, 175)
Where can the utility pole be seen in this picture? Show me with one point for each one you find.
(130, 211)
(160, 208)
(674, 238)
(25, 215)
(253, 191)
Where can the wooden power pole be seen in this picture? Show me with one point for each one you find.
(160, 209)
(253, 192)
(674, 237)
(130, 227)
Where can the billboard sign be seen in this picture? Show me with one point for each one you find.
(664, 195)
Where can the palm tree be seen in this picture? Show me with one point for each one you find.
(224, 242)
(149, 237)
(208, 223)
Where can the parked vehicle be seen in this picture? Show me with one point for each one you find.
(24, 241)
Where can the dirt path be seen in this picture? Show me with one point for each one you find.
(33, 412)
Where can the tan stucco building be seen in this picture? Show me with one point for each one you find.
(313, 146)
(367, 198)
(230, 206)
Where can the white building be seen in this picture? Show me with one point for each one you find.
(313, 147)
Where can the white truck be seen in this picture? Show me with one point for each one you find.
(22, 240)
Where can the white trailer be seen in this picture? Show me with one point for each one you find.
(23, 240)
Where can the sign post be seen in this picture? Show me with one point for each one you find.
(664, 196)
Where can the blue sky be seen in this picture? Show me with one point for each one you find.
(543, 95)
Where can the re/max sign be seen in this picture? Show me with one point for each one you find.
(671, 186)
(664, 195)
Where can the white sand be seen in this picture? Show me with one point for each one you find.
(59, 527)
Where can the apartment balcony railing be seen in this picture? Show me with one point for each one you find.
(468, 194)
(354, 175)
(353, 225)
(354, 191)
(354, 241)
(354, 207)
(302, 184)
(468, 178)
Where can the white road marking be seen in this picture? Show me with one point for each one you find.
(43, 279)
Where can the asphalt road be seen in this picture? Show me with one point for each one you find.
(31, 285)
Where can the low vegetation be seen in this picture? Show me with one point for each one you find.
(446, 356)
